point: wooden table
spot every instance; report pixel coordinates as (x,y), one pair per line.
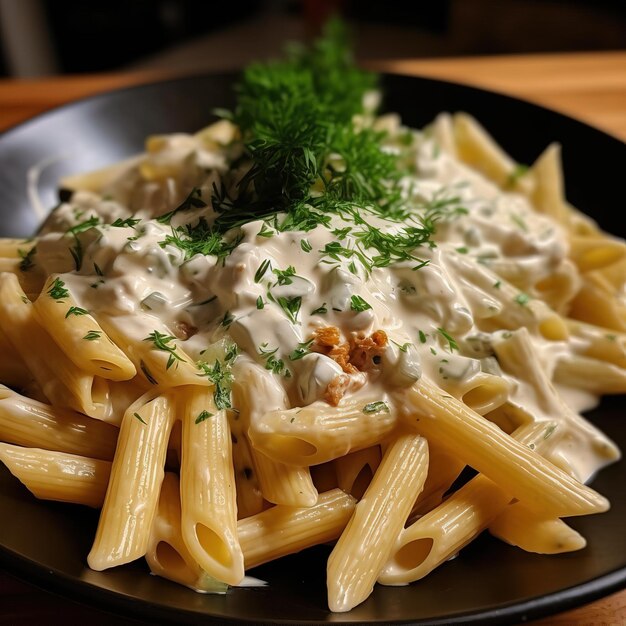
(590,87)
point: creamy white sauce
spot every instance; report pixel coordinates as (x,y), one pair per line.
(436,320)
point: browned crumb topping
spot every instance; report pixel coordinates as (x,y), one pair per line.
(336,389)
(354,355)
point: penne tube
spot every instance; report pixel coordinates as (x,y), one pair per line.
(318,432)
(595,303)
(442,532)
(255,393)
(136,475)
(78,334)
(249,497)
(511,308)
(548,195)
(477,149)
(368,540)
(598,377)
(596,253)
(167,555)
(443,470)
(62,382)
(158,357)
(284,484)
(28,422)
(58,475)
(283,530)
(207,485)
(519,526)
(482,445)
(356,470)
(598,343)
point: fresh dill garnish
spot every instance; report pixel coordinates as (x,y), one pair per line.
(291,307)
(422,336)
(203,415)
(27,261)
(522,298)
(201,239)
(376,407)
(497,284)
(452,344)
(271,362)
(92,335)
(258,276)
(192,201)
(97,270)
(302,350)
(265,231)
(518,220)
(358,304)
(92,222)
(162,342)
(321,310)
(77,253)
(57,290)
(284,276)
(137,416)
(219,373)
(259,303)
(129,222)
(76,310)
(305,245)
(404,347)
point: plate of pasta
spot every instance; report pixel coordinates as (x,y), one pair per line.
(309,345)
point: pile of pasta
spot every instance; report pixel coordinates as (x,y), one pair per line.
(205,494)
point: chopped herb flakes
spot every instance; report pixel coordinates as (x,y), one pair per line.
(452,344)
(203,415)
(129,222)
(219,373)
(376,407)
(358,304)
(321,310)
(75,310)
(192,201)
(92,335)
(271,362)
(57,290)
(137,416)
(522,298)
(162,342)
(262,270)
(27,261)
(302,350)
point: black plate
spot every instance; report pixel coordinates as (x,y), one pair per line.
(46,543)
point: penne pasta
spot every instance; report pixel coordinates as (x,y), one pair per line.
(133,491)
(57,475)
(367,542)
(207,483)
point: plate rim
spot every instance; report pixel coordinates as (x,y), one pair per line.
(112,602)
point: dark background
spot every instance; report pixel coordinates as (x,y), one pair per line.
(41,37)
